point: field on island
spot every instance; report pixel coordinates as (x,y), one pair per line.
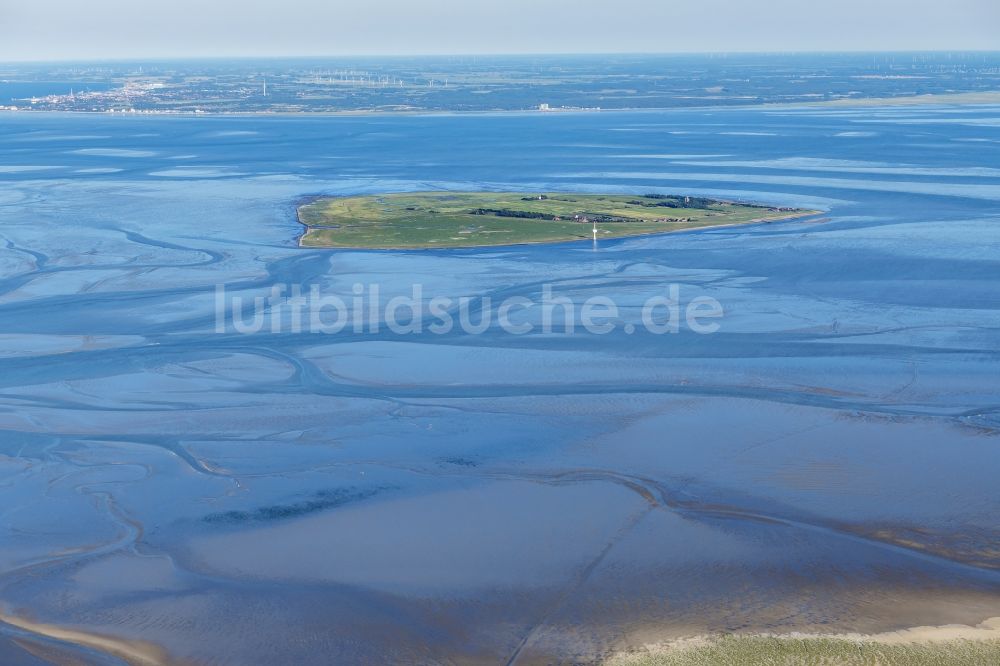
(473,219)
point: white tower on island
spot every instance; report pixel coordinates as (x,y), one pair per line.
(595,228)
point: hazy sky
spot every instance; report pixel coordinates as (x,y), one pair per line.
(70,29)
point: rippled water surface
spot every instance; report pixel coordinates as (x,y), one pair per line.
(828,459)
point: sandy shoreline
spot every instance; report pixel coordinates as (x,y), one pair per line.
(138,653)
(922,642)
(985,97)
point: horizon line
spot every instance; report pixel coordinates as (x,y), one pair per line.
(542,54)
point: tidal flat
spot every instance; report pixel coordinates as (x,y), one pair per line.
(177,492)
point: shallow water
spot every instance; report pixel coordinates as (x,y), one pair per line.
(826,459)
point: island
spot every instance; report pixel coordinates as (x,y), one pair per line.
(418,220)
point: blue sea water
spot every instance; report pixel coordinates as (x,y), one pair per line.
(827,459)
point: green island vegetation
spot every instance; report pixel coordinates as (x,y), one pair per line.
(475,219)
